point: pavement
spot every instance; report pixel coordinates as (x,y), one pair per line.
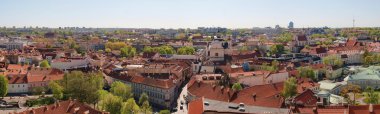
(181,98)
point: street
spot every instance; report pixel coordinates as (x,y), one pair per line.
(181,98)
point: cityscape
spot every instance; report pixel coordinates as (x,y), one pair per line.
(189,57)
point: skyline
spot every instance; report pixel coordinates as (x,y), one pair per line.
(188,14)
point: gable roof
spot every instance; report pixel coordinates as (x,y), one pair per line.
(64,107)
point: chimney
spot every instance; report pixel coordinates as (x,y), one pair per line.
(86,112)
(370,108)
(46,108)
(76,110)
(315,110)
(199,83)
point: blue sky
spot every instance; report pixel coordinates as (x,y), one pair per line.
(189,13)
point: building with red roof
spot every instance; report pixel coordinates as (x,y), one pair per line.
(64,107)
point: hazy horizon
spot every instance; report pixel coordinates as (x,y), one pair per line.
(188,14)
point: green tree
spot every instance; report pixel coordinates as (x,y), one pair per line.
(122,90)
(147,49)
(115,45)
(128,51)
(277,49)
(307,72)
(111,103)
(164,112)
(130,107)
(56,89)
(143,97)
(350,88)
(44,64)
(237,87)
(3,86)
(180,36)
(333,60)
(83,87)
(185,50)
(368,60)
(290,88)
(275,65)
(371,97)
(164,49)
(108,50)
(38,90)
(284,37)
(146,108)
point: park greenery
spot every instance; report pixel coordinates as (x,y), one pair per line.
(306,72)
(3,86)
(186,50)
(290,88)
(164,49)
(333,60)
(44,64)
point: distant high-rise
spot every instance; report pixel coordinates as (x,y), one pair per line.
(291,25)
(277,27)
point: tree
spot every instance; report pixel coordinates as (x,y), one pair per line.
(83,87)
(164,112)
(350,88)
(44,64)
(130,107)
(128,51)
(277,49)
(275,64)
(108,50)
(111,103)
(307,72)
(38,90)
(143,97)
(371,97)
(164,49)
(146,108)
(333,60)
(237,87)
(3,86)
(56,89)
(284,37)
(122,90)
(290,88)
(180,36)
(368,60)
(186,50)
(115,45)
(147,49)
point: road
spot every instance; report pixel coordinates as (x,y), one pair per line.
(181,98)
(21,101)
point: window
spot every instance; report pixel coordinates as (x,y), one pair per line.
(217,54)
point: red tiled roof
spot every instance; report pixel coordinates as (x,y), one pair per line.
(201,89)
(301,38)
(196,106)
(266,95)
(64,107)
(364,109)
(17,67)
(17,79)
(305,83)
(320,110)
(306,98)
(44,74)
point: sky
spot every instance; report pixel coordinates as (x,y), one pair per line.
(189,13)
